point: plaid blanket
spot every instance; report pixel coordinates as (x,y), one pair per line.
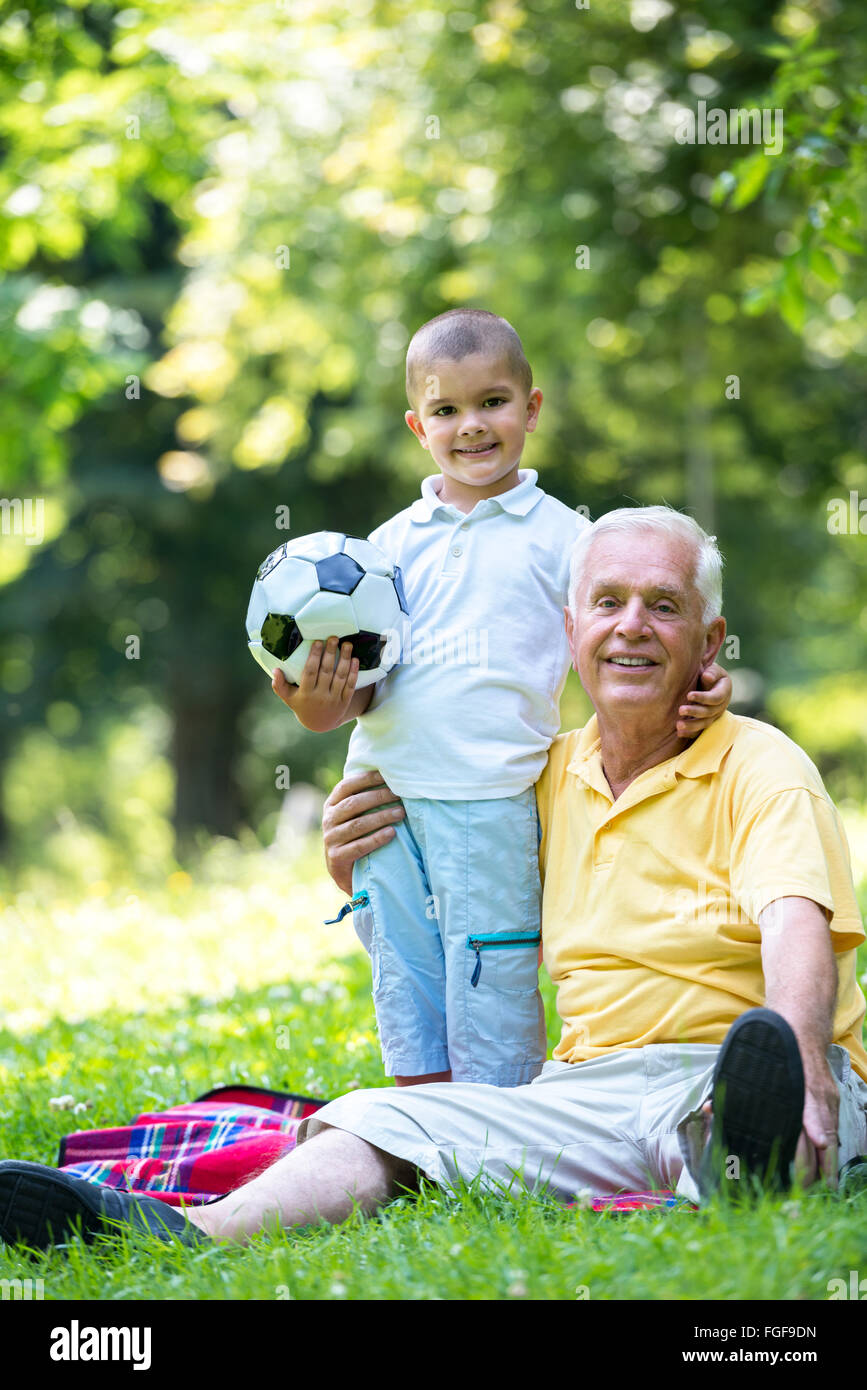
(205,1148)
(191,1152)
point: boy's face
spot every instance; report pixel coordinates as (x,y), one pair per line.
(473,417)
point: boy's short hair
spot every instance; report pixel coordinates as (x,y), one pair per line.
(457,333)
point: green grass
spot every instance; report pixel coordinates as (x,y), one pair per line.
(314,1032)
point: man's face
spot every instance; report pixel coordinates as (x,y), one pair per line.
(638,640)
(473,417)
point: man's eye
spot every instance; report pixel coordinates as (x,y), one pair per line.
(665,608)
(607,603)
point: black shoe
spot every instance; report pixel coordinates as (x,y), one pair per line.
(40,1206)
(758,1108)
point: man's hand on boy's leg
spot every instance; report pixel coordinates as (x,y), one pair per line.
(358,817)
(325,697)
(702,707)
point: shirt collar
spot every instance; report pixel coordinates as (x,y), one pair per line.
(518,500)
(704,755)
(706,752)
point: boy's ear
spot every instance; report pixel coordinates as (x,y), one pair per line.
(417,428)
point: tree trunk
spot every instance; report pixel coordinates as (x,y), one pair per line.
(204,744)
(698,458)
(4,827)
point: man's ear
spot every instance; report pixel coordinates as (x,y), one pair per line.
(714,638)
(570,635)
(417,428)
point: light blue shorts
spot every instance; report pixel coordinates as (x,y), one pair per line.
(452,924)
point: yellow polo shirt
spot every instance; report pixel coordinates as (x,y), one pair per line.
(651,901)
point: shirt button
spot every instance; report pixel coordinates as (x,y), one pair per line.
(466,526)
(457,550)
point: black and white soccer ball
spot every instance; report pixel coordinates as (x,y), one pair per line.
(327,585)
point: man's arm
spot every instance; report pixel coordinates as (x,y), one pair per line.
(800,972)
(358,817)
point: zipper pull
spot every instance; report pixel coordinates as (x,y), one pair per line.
(477,969)
(360,900)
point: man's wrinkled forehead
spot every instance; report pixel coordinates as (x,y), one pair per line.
(616,584)
(640,561)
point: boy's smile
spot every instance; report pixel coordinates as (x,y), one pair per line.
(473,417)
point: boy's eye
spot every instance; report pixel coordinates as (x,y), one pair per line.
(491,400)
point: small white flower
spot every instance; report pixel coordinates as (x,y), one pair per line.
(61,1102)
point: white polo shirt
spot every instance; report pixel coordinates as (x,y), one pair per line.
(471,710)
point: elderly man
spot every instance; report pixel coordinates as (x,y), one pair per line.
(699,921)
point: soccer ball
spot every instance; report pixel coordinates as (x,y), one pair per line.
(327,585)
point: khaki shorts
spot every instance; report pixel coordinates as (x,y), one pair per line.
(626,1121)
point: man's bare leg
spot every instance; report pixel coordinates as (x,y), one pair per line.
(324,1179)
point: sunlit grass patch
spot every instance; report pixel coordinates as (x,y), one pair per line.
(479,1247)
(463,1244)
(246,917)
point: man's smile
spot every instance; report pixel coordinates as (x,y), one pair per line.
(631,662)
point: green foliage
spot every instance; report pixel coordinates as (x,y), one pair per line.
(120,788)
(224,223)
(830,718)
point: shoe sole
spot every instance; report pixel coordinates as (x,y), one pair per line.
(39,1208)
(758,1104)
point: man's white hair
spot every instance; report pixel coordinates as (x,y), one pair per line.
(707,573)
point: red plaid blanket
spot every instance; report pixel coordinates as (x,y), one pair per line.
(208,1147)
(191,1152)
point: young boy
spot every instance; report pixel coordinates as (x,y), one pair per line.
(449,908)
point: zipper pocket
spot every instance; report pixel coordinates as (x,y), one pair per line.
(498,939)
(360,900)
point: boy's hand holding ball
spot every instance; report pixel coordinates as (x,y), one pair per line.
(326,696)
